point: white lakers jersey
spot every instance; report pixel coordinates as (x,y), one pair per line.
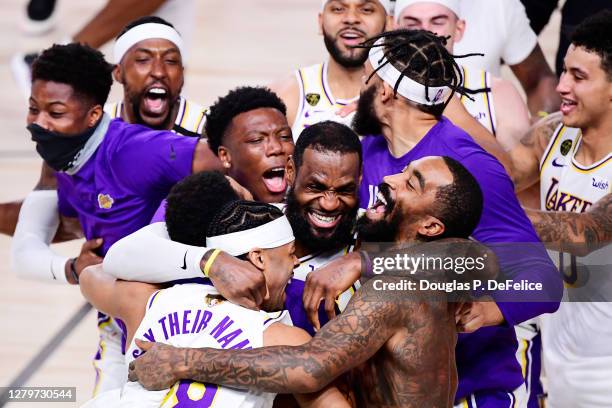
(194,315)
(317,103)
(482,107)
(310,263)
(577,339)
(189,121)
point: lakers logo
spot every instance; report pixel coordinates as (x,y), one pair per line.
(313,99)
(105,201)
(565,147)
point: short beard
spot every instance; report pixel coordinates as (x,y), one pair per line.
(365,121)
(378,231)
(347,61)
(302,229)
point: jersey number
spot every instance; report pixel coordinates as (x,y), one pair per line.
(193,394)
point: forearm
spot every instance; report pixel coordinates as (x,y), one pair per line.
(31,256)
(9,212)
(112,18)
(148,255)
(577,234)
(542,96)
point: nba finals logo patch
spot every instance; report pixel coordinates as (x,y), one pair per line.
(105,201)
(313,99)
(565,147)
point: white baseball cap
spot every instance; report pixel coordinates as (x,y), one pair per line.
(387,4)
(453,5)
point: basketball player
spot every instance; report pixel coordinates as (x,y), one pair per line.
(315,93)
(257,232)
(570,153)
(321,207)
(408,126)
(397,347)
(82,144)
(500,108)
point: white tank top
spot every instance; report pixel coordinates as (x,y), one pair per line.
(194,315)
(577,339)
(317,103)
(189,119)
(482,107)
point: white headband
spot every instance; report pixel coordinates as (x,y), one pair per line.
(452,5)
(270,235)
(146,32)
(408,88)
(387,4)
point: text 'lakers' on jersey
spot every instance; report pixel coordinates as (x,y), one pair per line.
(576,339)
(317,104)
(194,315)
(190,117)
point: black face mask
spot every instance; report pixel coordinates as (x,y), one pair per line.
(58,149)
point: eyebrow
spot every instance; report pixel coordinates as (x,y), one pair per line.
(419,177)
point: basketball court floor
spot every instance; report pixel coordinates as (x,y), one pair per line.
(247,42)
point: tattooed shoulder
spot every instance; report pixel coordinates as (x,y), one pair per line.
(540,133)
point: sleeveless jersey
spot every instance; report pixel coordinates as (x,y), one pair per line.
(317,103)
(194,315)
(295,288)
(189,119)
(576,339)
(482,107)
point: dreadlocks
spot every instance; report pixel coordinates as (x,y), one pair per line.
(421,56)
(242,215)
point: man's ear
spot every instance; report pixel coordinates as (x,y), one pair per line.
(94,115)
(117,74)
(225,157)
(320,24)
(387,93)
(431,226)
(255,256)
(290,171)
(459,30)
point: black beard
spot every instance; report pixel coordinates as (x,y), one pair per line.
(302,230)
(378,231)
(347,61)
(365,121)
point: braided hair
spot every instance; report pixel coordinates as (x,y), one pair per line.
(242,215)
(422,56)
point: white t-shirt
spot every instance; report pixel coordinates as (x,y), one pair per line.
(499,29)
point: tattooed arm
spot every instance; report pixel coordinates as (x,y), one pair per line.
(527,154)
(345,342)
(577,234)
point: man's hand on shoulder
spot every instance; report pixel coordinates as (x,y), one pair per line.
(159,367)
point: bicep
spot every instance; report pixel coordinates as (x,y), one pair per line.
(512,113)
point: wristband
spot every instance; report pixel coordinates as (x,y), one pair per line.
(73,272)
(210,261)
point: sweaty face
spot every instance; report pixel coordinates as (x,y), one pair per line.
(54,106)
(278,263)
(347,23)
(256,145)
(322,204)
(586,92)
(432,17)
(404,201)
(152,76)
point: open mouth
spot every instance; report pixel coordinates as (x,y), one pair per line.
(567,106)
(274,179)
(321,220)
(155,100)
(352,37)
(383,205)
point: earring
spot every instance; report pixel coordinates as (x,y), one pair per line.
(226,165)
